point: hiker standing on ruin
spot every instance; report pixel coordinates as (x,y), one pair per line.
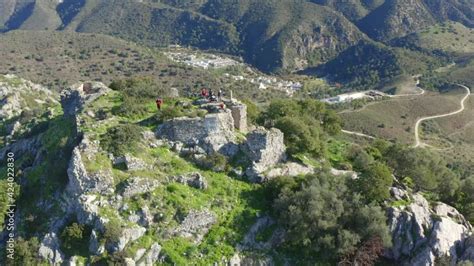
(219,94)
(159,102)
(204,92)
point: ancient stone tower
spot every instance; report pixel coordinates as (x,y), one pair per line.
(239,113)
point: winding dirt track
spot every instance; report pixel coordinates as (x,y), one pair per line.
(418,142)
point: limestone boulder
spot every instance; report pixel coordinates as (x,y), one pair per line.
(196,225)
(50,249)
(138,185)
(195,180)
(289,169)
(131,163)
(75,97)
(80,181)
(151,256)
(128,235)
(421,233)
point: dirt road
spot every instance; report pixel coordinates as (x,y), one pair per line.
(418,142)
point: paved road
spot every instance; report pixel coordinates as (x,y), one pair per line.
(418,142)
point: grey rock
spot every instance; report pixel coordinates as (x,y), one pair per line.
(145,217)
(80,181)
(129,262)
(289,169)
(50,249)
(250,243)
(72,261)
(398,193)
(139,254)
(94,245)
(265,148)
(128,235)
(195,180)
(75,97)
(14,128)
(151,257)
(196,225)
(421,234)
(139,185)
(337,172)
(214,132)
(131,163)
(468,252)
(250,260)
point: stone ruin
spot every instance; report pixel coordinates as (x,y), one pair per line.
(265,148)
(74,98)
(239,114)
(214,132)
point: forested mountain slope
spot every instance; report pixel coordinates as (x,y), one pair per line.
(272,35)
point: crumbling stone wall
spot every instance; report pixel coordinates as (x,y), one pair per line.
(265,148)
(74,98)
(212,132)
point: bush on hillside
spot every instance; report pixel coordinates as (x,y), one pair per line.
(121,139)
(323,218)
(75,239)
(303,122)
(374,182)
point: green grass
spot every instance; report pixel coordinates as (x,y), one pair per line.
(336,152)
(234,202)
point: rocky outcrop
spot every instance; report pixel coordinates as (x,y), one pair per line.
(50,249)
(196,225)
(250,241)
(14,92)
(131,163)
(150,257)
(289,169)
(264,148)
(128,235)
(254,260)
(138,185)
(214,132)
(421,233)
(95,247)
(80,181)
(195,180)
(74,98)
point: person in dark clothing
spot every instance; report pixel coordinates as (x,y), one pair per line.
(159,102)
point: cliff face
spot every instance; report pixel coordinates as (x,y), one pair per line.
(422,233)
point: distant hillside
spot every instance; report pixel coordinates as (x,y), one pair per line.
(398,18)
(352,9)
(277,36)
(453,38)
(369,64)
(286,34)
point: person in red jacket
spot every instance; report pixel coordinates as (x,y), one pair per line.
(159,102)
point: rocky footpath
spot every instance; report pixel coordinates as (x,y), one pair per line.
(422,232)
